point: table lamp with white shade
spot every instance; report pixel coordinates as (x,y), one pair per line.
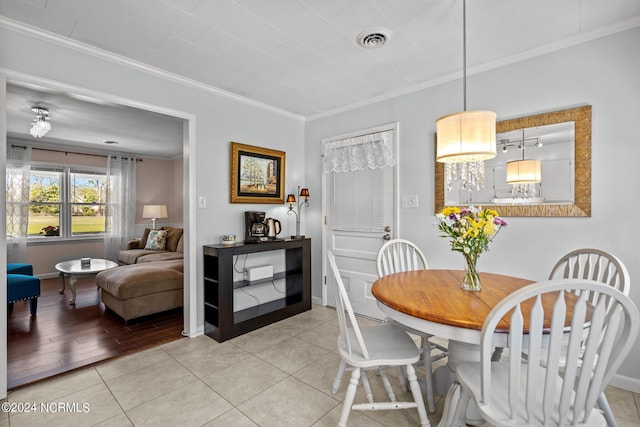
(154,212)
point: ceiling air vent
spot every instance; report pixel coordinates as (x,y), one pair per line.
(373,38)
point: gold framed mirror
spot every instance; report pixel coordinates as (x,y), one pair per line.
(579,205)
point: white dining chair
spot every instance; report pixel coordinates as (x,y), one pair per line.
(593,264)
(602,266)
(378,346)
(399,255)
(516,392)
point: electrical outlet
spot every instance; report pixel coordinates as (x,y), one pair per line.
(409,201)
(202,202)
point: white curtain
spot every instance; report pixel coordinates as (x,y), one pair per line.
(121,204)
(18,175)
(373,151)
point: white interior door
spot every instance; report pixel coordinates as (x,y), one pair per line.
(360,209)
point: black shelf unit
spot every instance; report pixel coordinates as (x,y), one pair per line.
(221,322)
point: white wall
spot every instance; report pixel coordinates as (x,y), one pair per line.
(602,73)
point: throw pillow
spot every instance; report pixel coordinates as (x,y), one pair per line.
(143,239)
(156,240)
(173,236)
(180,247)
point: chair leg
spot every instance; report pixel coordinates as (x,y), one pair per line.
(349,396)
(428,373)
(497,354)
(603,403)
(460,410)
(402,379)
(336,382)
(33,305)
(367,387)
(417,396)
(387,385)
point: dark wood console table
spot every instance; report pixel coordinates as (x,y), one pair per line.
(221,322)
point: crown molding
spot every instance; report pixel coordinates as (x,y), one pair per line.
(17,26)
(532,53)
(21,27)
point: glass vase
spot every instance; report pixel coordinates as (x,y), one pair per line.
(471,279)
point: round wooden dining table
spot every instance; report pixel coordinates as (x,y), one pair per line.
(433,302)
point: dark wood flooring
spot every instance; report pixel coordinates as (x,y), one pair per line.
(63,337)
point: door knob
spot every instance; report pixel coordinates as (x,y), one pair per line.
(387,229)
(386,237)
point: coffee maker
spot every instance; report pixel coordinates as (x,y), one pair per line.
(255,227)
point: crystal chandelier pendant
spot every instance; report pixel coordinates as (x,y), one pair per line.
(40,125)
(470,175)
(524,191)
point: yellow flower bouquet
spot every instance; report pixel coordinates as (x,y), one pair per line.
(471,230)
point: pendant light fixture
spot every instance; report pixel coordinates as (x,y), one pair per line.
(40,124)
(466,139)
(524,175)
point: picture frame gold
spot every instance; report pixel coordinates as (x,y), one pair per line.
(256,174)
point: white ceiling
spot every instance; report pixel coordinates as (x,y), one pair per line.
(301,56)
(79,122)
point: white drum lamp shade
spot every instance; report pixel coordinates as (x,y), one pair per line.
(154,212)
(468,136)
(524,172)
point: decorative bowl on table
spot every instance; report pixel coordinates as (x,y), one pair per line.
(228,239)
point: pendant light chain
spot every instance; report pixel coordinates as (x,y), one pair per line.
(465,139)
(464,55)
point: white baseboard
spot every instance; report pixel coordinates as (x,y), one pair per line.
(316,300)
(199,331)
(626,383)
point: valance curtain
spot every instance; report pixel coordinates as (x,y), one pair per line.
(17,220)
(372,151)
(120,211)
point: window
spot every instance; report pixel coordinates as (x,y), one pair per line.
(68,202)
(44,202)
(87,202)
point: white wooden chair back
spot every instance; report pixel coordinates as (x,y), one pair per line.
(399,255)
(593,264)
(585,373)
(350,339)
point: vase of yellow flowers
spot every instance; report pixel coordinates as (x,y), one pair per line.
(471,230)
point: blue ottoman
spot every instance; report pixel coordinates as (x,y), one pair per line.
(22,287)
(20,268)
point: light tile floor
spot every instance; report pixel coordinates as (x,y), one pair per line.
(280,376)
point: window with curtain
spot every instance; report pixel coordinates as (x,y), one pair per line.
(358,168)
(66,202)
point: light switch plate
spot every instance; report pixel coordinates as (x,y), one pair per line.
(409,201)
(202,202)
